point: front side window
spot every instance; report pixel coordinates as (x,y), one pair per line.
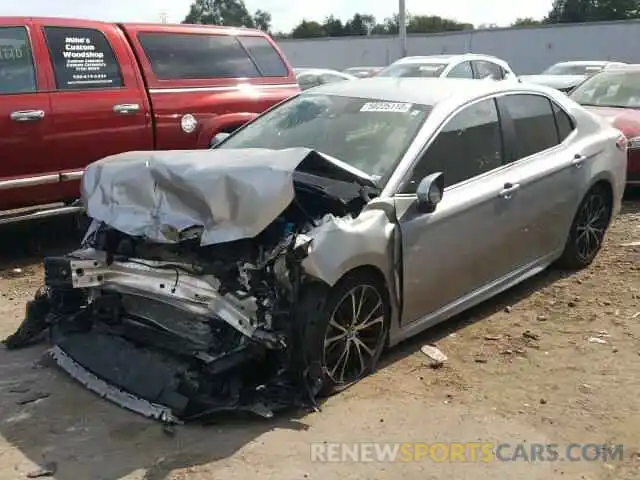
(462,70)
(196,56)
(470,144)
(17,73)
(421,70)
(82,59)
(266,57)
(534,123)
(485,69)
(610,89)
(368,134)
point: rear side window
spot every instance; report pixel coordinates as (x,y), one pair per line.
(17,74)
(462,70)
(196,56)
(563,121)
(266,57)
(82,59)
(486,69)
(534,123)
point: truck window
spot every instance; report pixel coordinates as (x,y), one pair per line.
(17,73)
(82,59)
(196,56)
(266,57)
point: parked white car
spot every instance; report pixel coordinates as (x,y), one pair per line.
(565,76)
(469,65)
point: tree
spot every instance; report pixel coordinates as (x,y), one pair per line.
(360,24)
(308,29)
(333,26)
(262,20)
(225,12)
(434,24)
(526,22)
(572,11)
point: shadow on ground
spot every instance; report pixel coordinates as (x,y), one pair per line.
(25,243)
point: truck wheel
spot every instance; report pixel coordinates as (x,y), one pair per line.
(345,332)
(587,230)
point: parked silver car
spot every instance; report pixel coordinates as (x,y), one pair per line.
(276,267)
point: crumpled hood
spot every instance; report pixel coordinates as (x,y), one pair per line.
(225,194)
(554,81)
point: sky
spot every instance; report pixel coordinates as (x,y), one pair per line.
(286,13)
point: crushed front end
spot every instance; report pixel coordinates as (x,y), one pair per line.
(178,330)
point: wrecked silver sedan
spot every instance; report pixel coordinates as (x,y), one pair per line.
(274,268)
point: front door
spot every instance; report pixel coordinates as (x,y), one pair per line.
(25,120)
(464,244)
(98,101)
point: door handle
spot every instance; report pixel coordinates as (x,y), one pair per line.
(126,108)
(508,189)
(27,115)
(578,160)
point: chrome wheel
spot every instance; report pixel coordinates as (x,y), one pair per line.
(355,335)
(591,226)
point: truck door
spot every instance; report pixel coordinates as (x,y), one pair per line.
(98,99)
(25,118)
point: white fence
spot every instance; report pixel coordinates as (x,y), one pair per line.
(528,50)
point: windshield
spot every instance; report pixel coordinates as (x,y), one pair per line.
(610,89)
(367,134)
(413,70)
(572,69)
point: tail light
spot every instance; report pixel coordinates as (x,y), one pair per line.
(622,143)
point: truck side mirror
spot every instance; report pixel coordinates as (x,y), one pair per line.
(218,139)
(429,192)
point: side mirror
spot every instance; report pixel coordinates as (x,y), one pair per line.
(218,138)
(429,192)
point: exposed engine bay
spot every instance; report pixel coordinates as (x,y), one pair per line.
(178,329)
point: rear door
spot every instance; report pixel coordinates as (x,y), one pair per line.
(25,118)
(545,164)
(220,77)
(99,107)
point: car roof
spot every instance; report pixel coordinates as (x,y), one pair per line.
(426,91)
(585,62)
(442,58)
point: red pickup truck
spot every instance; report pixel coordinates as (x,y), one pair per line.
(75,91)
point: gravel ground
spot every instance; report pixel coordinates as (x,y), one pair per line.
(521,368)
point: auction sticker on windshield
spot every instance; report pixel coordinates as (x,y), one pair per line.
(392,107)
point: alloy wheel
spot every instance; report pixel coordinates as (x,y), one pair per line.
(355,335)
(591,226)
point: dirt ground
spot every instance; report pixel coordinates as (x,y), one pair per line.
(521,368)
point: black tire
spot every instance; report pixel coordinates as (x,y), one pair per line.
(588,229)
(322,316)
